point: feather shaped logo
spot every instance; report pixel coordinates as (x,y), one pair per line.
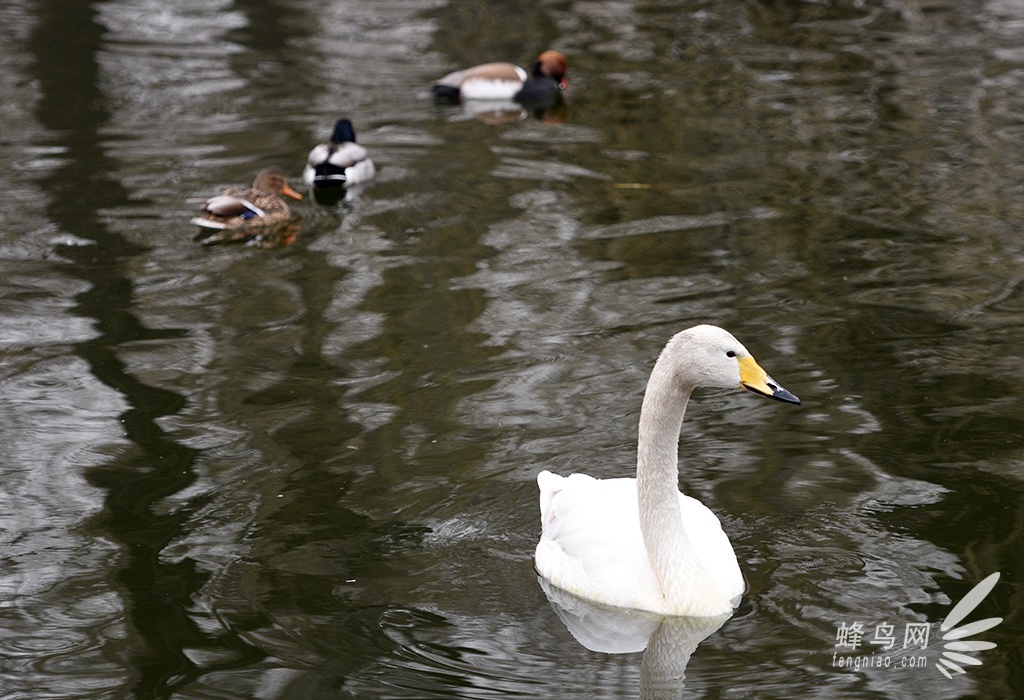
(953,659)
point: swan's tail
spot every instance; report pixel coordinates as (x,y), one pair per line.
(549,484)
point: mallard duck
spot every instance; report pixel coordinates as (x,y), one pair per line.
(239,214)
(340,162)
(640,543)
(505,81)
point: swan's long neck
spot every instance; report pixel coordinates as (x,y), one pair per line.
(657,476)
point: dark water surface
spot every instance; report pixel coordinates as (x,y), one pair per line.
(308,471)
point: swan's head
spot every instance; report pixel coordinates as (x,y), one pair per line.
(711,357)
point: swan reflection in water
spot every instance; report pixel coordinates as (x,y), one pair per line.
(667,641)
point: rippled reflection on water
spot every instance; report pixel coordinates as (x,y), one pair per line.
(308,471)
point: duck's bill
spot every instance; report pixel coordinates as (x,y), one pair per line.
(755,379)
(289,192)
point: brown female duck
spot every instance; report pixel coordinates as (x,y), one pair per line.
(239,214)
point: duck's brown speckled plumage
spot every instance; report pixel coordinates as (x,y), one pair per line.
(239,213)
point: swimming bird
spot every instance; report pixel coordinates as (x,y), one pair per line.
(340,162)
(240,213)
(506,81)
(638,542)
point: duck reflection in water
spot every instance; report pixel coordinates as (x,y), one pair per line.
(550,110)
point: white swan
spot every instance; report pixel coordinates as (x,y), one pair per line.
(639,543)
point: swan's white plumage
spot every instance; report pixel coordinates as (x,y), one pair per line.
(593,544)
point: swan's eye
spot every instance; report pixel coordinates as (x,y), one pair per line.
(730,354)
